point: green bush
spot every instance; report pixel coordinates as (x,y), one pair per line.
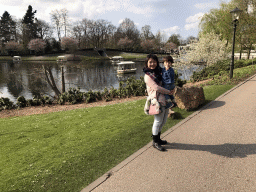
(34,102)
(21,102)
(106,95)
(73,96)
(5,103)
(46,100)
(90,96)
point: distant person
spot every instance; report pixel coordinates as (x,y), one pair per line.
(168,80)
(153,82)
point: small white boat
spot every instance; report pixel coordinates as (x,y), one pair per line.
(16,58)
(126,67)
(61,58)
(117,59)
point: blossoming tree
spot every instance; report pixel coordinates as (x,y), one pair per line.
(125,43)
(70,44)
(210,49)
(37,45)
(148,45)
(13,47)
(170,47)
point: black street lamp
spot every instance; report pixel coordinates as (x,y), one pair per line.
(235,16)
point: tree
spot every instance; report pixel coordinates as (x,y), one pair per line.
(146,33)
(92,33)
(81,33)
(7,28)
(219,21)
(78,33)
(13,47)
(128,29)
(175,38)
(60,20)
(246,36)
(98,32)
(148,45)
(169,47)
(159,40)
(29,26)
(210,48)
(37,45)
(125,43)
(44,30)
(55,45)
(69,44)
(64,14)
(57,20)
(191,39)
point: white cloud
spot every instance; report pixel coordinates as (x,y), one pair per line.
(193,21)
(11,3)
(195,18)
(171,30)
(208,5)
(191,26)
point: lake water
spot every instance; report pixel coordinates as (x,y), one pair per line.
(28,79)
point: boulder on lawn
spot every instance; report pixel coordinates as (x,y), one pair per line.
(189,98)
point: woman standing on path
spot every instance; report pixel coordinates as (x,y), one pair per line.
(153,82)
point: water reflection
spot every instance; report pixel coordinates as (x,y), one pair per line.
(28,79)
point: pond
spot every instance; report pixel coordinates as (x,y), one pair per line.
(28,79)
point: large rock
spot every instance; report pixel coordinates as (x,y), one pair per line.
(189,98)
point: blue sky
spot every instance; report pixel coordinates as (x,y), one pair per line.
(170,16)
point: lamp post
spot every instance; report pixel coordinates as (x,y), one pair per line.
(235,16)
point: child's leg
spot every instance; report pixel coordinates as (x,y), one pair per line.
(172,96)
(172,87)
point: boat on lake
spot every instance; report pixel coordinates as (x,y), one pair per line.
(117,59)
(61,58)
(126,67)
(16,59)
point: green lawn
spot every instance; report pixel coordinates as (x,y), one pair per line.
(66,151)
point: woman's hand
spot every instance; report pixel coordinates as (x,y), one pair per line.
(171,92)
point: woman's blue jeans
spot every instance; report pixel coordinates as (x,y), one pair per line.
(160,120)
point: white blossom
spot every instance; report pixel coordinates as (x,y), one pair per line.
(210,49)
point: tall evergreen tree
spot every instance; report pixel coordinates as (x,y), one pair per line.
(29,26)
(7,28)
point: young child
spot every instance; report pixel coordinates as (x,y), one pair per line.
(168,80)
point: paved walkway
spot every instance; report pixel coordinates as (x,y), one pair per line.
(214,149)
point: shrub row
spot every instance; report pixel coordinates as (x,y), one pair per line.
(131,87)
(128,88)
(221,67)
(6,103)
